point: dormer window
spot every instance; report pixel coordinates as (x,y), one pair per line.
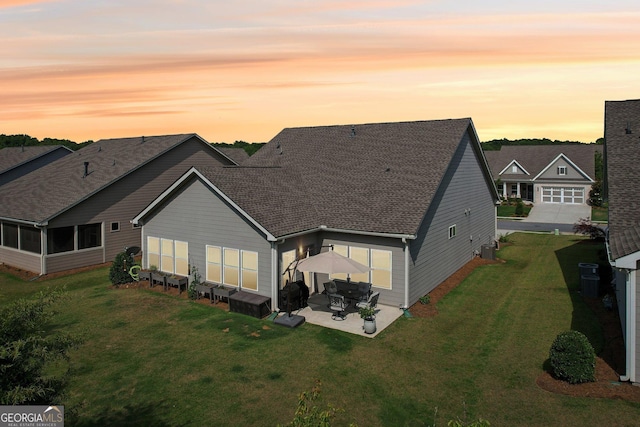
(562,170)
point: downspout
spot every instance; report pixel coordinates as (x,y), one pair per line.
(274,276)
(43,249)
(630,374)
(406,274)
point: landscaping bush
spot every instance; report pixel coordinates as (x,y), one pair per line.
(119,272)
(519,208)
(572,358)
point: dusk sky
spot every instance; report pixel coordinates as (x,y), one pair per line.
(244,70)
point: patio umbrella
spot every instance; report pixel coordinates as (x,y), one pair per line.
(331,262)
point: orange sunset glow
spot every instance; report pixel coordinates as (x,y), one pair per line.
(244,70)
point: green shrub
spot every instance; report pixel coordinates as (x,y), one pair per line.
(519,208)
(572,358)
(425,299)
(119,271)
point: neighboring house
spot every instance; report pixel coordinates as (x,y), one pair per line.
(18,161)
(622,178)
(77,210)
(544,173)
(414,201)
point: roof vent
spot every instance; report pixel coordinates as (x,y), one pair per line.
(353,131)
(142,139)
(86,169)
(99,148)
(627,130)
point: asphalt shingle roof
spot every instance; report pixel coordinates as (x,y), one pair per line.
(11,157)
(534,158)
(622,157)
(380,178)
(50,190)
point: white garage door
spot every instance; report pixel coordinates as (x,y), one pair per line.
(563,195)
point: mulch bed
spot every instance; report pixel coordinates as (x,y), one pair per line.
(609,363)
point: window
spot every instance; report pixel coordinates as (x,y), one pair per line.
(166,255)
(89,236)
(214,264)
(153,252)
(250,270)
(381,265)
(60,239)
(562,170)
(231,267)
(514,169)
(182,258)
(30,239)
(115,226)
(452,231)
(10,235)
(360,255)
(344,251)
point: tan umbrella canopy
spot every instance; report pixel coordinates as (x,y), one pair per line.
(331,262)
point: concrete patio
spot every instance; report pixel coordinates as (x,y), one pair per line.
(318,313)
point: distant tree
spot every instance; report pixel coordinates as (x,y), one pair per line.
(27,141)
(595,194)
(496,144)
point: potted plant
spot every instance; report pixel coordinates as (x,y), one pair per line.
(368,314)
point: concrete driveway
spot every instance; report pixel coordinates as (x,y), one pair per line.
(558,213)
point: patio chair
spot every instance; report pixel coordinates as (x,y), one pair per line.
(338,305)
(331,287)
(364,289)
(371,302)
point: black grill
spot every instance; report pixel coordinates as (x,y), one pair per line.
(297,292)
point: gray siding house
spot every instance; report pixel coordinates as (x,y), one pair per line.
(544,173)
(414,201)
(622,177)
(76,211)
(19,161)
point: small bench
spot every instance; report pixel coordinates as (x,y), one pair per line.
(251,304)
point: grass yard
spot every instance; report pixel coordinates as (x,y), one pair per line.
(599,214)
(153,359)
(510,210)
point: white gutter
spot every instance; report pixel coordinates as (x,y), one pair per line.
(344,231)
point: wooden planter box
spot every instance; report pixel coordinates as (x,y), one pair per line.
(205,288)
(220,292)
(178,282)
(157,278)
(144,275)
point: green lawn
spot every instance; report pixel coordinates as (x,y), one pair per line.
(510,210)
(152,359)
(599,214)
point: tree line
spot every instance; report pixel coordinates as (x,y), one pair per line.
(496,144)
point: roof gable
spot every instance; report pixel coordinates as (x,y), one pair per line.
(562,158)
(57,187)
(510,166)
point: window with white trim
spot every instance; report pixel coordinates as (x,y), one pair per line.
(249,270)
(344,251)
(231,267)
(181,251)
(562,170)
(115,226)
(360,255)
(153,252)
(214,264)
(166,255)
(381,268)
(452,231)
